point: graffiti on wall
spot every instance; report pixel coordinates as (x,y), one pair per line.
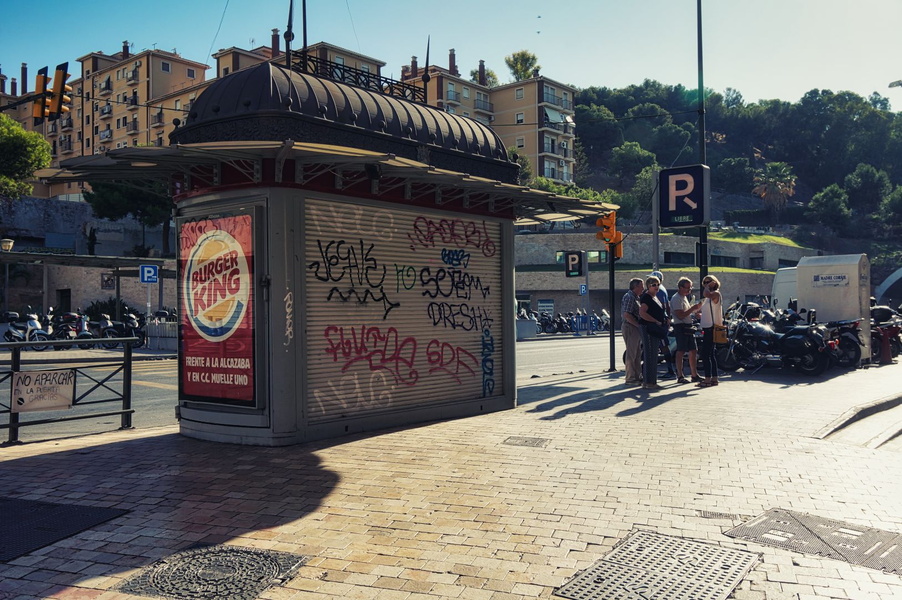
(401,309)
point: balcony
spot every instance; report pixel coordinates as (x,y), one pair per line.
(158,142)
(556,149)
(52,129)
(66,123)
(132,75)
(565,103)
(132,127)
(132,103)
(106,111)
(106,134)
(157,119)
(452,96)
(105,88)
(302,62)
(559,174)
(66,146)
(484,106)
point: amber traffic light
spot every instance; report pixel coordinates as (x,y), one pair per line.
(60,98)
(616,246)
(608,226)
(40,107)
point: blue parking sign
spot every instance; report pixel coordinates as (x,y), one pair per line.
(149,273)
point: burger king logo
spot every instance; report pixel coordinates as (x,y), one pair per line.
(216,285)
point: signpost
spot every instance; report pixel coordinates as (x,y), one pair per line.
(149,274)
(683,197)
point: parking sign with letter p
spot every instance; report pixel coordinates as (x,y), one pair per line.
(683,196)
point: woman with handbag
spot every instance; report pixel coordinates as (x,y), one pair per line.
(712,314)
(653,321)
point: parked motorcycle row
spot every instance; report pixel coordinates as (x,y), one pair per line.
(569,323)
(762,337)
(72,326)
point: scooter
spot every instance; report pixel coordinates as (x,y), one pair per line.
(128,327)
(29,330)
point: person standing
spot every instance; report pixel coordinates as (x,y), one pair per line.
(665,342)
(629,313)
(683,329)
(712,314)
(651,311)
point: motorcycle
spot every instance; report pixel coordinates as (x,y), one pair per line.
(130,326)
(847,335)
(546,323)
(885,323)
(29,330)
(782,342)
(600,322)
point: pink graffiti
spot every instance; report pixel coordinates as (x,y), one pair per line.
(381,350)
(427,233)
(453,360)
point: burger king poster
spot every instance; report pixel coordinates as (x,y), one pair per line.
(216,300)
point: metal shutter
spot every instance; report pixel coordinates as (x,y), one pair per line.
(403,309)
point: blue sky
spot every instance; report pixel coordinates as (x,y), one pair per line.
(765,49)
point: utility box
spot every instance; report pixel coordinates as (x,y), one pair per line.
(839,288)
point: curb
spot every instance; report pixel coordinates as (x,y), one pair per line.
(856,413)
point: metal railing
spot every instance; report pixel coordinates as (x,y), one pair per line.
(96,385)
(313,65)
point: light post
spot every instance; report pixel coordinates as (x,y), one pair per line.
(6,245)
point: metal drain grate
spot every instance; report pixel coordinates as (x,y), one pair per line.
(533,442)
(213,573)
(801,532)
(27,525)
(651,565)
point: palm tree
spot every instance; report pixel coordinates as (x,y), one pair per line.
(774,185)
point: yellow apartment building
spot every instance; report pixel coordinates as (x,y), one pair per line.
(533,116)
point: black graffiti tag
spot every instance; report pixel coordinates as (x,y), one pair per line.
(352,265)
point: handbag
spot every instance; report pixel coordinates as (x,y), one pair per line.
(655,330)
(720,331)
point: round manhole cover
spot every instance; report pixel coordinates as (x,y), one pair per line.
(215,572)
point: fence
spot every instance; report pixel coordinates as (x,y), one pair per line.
(162,335)
(34,389)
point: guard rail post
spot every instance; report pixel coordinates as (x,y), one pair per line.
(126,419)
(15,364)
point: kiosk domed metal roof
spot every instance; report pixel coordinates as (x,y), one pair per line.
(271,102)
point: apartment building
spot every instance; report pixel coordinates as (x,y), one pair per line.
(533,116)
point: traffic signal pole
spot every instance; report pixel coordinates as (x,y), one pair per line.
(702,154)
(613,366)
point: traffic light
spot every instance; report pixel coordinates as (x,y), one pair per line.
(608,225)
(40,108)
(617,245)
(59,99)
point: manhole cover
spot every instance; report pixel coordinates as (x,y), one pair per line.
(651,565)
(27,525)
(809,534)
(526,441)
(213,573)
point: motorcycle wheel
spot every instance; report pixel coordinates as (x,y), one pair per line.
(109,334)
(726,359)
(876,348)
(549,328)
(895,347)
(39,337)
(813,363)
(849,354)
(141,339)
(85,345)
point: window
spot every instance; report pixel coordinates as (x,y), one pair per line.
(783,263)
(679,258)
(165,67)
(449,110)
(365,68)
(178,105)
(191,73)
(756,262)
(519,118)
(225,71)
(518,93)
(118,74)
(724,261)
(466,93)
(466,114)
(521,142)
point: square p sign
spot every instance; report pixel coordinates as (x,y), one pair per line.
(683,196)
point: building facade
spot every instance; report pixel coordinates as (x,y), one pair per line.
(534,117)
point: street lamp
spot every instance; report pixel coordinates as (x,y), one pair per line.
(6,245)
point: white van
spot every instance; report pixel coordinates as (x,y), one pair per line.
(785,287)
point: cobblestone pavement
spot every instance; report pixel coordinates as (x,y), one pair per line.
(449,510)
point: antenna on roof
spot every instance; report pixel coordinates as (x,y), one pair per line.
(426,77)
(289,34)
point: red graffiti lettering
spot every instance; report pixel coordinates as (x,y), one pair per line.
(379,349)
(453,360)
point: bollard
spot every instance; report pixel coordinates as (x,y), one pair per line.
(886,351)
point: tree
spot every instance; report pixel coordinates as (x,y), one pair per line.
(734,176)
(891,209)
(866,187)
(774,184)
(830,207)
(151,207)
(598,130)
(628,159)
(21,154)
(524,177)
(522,64)
(491,78)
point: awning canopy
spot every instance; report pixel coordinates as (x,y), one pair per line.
(148,165)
